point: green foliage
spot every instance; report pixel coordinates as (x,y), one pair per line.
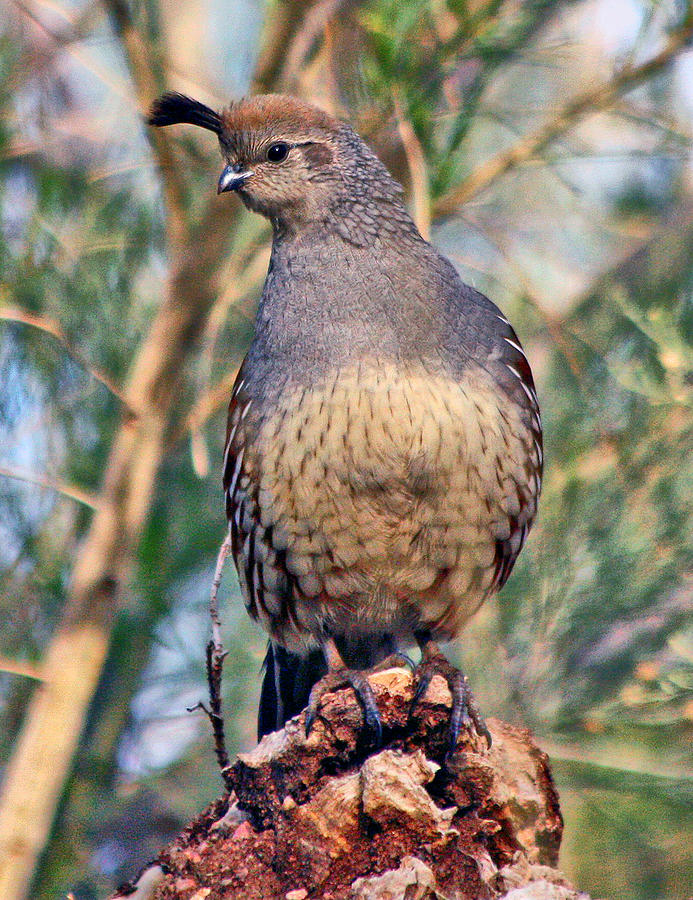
(615,537)
(438,59)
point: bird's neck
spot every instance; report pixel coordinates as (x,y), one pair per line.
(330,301)
(360,221)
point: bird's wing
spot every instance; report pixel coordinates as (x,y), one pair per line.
(513,375)
(267,586)
(484,337)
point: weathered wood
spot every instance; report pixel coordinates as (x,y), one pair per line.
(325,817)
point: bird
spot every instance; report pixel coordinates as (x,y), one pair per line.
(384,452)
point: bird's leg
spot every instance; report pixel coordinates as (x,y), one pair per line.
(464,707)
(338,676)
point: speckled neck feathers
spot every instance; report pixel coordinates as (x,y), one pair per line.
(367,203)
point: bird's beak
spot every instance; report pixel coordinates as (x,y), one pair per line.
(231,179)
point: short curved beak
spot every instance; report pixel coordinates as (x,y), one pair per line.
(231,179)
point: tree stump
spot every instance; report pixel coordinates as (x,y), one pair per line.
(327,818)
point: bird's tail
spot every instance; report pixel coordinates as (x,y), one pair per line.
(286,686)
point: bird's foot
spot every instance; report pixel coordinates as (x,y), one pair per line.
(465,710)
(341,677)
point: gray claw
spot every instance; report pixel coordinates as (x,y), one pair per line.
(364,694)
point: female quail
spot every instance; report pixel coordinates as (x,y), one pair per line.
(384,447)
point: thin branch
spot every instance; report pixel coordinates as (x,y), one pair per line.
(61,487)
(416,163)
(224,551)
(213,712)
(26,670)
(50,326)
(314,23)
(215,665)
(584,104)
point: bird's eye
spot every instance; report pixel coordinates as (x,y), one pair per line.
(278,152)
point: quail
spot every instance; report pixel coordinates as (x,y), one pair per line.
(383,455)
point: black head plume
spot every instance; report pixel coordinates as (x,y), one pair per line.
(172,109)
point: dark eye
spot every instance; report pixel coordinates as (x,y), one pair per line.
(278,152)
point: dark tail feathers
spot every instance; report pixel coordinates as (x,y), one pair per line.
(286,686)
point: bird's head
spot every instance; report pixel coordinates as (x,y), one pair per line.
(287,159)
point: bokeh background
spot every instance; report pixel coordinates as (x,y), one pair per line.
(546,148)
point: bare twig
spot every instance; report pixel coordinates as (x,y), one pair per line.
(586,103)
(215,664)
(224,551)
(60,487)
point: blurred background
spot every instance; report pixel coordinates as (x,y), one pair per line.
(546,148)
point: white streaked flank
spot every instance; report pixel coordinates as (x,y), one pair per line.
(236,472)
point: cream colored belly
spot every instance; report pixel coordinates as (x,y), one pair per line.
(388,493)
